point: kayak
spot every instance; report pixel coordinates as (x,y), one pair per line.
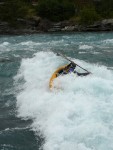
(55,75)
(59,71)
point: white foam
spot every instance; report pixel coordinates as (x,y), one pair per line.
(96,53)
(108,41)
(82,52)
(4,47)
(78,116)
(5,43)
(85,47)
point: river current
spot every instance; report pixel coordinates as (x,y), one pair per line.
(76,116)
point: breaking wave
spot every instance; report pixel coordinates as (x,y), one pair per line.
(78,115)
(85,47)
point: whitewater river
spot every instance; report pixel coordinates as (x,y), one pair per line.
(76,116)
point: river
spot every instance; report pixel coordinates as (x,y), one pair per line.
(76,116)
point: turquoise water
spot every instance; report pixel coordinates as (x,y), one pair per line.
(79,116)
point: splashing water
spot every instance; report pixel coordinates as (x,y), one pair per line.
(78,116)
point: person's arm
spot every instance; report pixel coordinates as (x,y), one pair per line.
(81,74)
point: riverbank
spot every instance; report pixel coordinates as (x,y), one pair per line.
(38,25)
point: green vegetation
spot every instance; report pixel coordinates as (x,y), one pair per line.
(105,8)
(57,10)
(11,10)
(88,16)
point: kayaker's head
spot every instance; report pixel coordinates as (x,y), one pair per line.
(72,65)
(70,68)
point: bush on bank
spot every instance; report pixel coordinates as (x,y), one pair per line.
(11,10)
(88,16)
(105,8)
(55,10)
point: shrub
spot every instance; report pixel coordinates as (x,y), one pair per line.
(13,9)
(88,16)
(105,8)
(55,10)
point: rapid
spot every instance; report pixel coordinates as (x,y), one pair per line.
(76,115)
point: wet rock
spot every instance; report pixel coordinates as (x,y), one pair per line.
(107,24)
(39,25)
(69,28)
(4,25)
(44,25)
(104,25)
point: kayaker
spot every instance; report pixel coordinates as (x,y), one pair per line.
(71,68)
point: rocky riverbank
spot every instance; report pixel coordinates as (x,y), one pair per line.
(38,25)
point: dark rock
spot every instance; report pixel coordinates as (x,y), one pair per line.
(63,26)
(55,27)
(36,20)
(70,28)
(44,25)
(26,22)
(107,24)
(38,25)
(104,25)
(3,25)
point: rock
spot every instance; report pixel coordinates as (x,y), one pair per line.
(37,25)
(4,25)
(70,28)
(95,27)
(63,26)
(26,22)
(44,25)
(55,27)
(107,24)
(36,20)
(104,25)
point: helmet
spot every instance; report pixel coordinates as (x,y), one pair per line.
(72,66)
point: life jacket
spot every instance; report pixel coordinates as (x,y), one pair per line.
(71,70)
(68,69)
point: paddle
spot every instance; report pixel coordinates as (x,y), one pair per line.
(71,61)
